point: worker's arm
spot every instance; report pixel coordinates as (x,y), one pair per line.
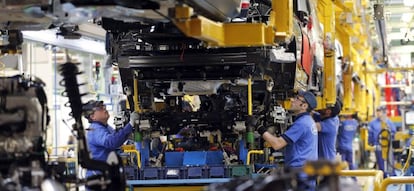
(293,134)
(276,142)
(328,125)
(103,137)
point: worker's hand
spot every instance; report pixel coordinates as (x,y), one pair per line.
(261,130)
(134,118)
(316,116)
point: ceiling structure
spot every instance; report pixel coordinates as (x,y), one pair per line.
(399,21)
(398,15)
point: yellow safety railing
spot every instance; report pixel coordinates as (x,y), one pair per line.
(253,152)
(131,149)
(377,174)
(364,137)
(396,180)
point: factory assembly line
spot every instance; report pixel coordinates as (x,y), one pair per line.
(196,71)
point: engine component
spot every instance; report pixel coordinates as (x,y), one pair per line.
(23,121)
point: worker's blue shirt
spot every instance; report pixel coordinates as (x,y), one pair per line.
(102,139)
(346,133)
(375,127)
(327,138)
(301,140)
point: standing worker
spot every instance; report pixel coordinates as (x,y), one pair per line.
(101,137)
(300,140)
(381,132)
(346,134)
(328,130)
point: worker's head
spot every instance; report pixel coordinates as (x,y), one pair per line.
(331,111)
(304,101)
(95,111)
(381,112)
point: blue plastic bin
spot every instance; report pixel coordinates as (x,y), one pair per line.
(195,158)
(174,159)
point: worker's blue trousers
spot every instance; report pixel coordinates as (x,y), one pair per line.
(347,156)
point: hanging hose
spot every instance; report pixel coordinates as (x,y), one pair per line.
(384,139)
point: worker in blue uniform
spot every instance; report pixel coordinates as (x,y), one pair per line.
(377,126)
(328,130)
(346,133)
(101,137)
(301,138)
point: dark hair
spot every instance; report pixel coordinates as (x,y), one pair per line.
(89,108)
(336,109)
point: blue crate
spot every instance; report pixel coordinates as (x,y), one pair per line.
(195,158)
(174,173)
(174,159)
(152,173)
(216,172)
(131,172)
(197,172)
(214,158)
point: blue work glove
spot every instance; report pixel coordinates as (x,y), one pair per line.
(134,119)
(316,116)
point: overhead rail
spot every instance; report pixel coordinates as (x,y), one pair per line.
(391,69)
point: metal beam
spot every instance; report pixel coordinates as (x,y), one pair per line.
(223,34)
(395,69)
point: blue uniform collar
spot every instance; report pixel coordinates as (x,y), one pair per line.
(99,123)
(300,115)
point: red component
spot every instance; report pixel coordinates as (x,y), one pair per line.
(113,79)
(245,5)
(388,93)
(306,55)
(214,148)
(310,24)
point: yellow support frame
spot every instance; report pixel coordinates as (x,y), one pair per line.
(326,10)
(218,34)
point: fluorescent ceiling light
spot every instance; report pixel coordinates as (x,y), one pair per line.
(408,3)
(406,17)
(50,37)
